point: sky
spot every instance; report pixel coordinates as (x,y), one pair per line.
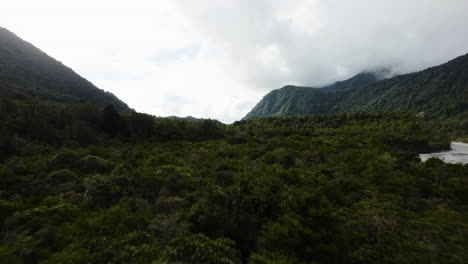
(216,59)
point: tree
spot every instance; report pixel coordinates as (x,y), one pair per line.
(112,123)
(142,125)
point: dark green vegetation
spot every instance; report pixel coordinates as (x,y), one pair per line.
(440,92)
(79,184)
(85,181)
(24,69)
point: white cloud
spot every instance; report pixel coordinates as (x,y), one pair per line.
(216,59)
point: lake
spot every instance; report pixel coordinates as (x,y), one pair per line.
(458,154)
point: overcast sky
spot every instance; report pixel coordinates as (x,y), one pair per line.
(216,59)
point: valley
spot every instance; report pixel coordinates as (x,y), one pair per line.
(329,175)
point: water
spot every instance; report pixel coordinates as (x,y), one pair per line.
(458,154)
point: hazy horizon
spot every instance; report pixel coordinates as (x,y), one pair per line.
(217,60)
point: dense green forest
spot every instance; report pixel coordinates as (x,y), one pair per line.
(82,184)
(441,93)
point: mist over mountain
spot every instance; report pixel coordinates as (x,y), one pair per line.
(440,92)
(298,100)
(26,69)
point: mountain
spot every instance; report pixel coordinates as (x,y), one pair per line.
(440,92)
(359,80)
(295,100)
(81,183)
(26,69)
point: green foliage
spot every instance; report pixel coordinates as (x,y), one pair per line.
(63,160)
(83,183)
(93,164)
(142,125)
(134,247)
(112,123)
(438,94)
(28,71)
(63,175)
(346,188)
(198,248)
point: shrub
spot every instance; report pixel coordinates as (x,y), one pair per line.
(62,176)
(198,248)
(63,160)
(93,164)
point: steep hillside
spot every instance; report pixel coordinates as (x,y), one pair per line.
(359,80)
(24,68)
(294,100)
(440,92)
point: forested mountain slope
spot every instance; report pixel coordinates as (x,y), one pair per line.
(440,92)
(294,100)
(26,69)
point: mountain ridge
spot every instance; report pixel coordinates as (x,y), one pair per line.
(318,100)
(26,69)
(439,91)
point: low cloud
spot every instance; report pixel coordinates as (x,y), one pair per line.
(317,42)
(221,57)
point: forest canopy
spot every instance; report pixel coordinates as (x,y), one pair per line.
(81,184)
